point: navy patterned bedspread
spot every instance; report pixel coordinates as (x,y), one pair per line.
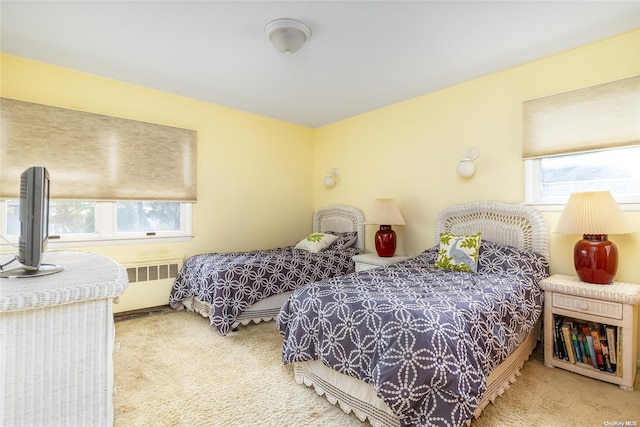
(426,339)
(231,282)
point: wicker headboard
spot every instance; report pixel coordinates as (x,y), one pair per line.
(340,218)
(519,226)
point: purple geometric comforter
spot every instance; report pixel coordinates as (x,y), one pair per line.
(231,282)
(426,339)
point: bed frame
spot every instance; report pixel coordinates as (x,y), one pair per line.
(514,225)
(337,218)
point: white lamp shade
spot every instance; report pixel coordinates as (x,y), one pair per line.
(593,212)
(384,212)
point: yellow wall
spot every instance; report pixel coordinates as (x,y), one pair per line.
(255,174)
(409,151)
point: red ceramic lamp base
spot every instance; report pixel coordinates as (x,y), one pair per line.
(595,259)
(385,241)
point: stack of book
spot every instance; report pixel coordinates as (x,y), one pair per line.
(593,344)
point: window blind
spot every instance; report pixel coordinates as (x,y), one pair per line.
(95,157)
(592,118)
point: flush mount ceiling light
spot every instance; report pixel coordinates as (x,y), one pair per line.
(287,35)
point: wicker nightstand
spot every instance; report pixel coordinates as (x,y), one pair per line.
(372,260)
(615,305)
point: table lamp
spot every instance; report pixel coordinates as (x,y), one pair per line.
(594,214)
(385,213)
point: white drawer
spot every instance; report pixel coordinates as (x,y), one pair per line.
(612,310)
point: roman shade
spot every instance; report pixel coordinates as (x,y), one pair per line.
(592,118)
(95,157)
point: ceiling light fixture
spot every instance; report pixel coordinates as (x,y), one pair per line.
(287,35)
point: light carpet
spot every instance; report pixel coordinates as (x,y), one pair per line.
(174,369)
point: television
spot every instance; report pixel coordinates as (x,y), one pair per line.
(34,225)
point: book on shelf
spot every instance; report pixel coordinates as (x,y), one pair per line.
(611,340)
(592,349)
(588,343)
(619,353)
(586,352)
(609,367)
(566,333)
(595,334)
(558,340)
(577,346)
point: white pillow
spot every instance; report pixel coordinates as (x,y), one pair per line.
(315,242)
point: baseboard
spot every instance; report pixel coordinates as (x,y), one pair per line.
(124,315)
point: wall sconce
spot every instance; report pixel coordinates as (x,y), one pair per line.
(329,179)
(465,168)
(287,35)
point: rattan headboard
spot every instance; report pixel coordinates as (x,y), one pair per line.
(515,225)
(340,218)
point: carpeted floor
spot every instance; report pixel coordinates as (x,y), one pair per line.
(173,369)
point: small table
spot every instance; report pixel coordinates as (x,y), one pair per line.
(372,260)
(614,305)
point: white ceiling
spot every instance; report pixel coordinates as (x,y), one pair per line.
(362,55)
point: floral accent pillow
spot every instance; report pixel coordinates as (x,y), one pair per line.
(458,252)
(315,242)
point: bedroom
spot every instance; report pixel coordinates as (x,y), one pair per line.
(423,135)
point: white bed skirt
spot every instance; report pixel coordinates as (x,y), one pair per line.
(356,396)
(262,311)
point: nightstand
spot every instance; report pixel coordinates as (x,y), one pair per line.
(614,305)
(372,260)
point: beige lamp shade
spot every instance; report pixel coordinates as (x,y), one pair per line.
(593,212)
(384,212)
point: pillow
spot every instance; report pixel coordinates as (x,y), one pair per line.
(496,258)
(345,240)
(315,242)
(458,252)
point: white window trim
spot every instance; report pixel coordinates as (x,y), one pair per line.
(532,192)
(105,234)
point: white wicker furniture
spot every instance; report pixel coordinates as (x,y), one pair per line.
(56,343)
(615,304)
(372,260)
(514,225)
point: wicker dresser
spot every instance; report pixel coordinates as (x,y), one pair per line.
(56,343)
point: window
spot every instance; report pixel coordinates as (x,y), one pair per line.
(550,180)
(93,160)
(583,140)
(88,222)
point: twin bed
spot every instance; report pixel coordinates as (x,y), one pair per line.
(416,345)
(407,344)
(243,287)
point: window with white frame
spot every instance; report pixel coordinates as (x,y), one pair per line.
(78,221)
(112,179)
(584,140)
(550,180)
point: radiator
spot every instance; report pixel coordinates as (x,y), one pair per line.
(153,270)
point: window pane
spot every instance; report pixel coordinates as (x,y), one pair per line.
(65,217)
(615,170)
(148,216)
(72,217)
(13,218)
